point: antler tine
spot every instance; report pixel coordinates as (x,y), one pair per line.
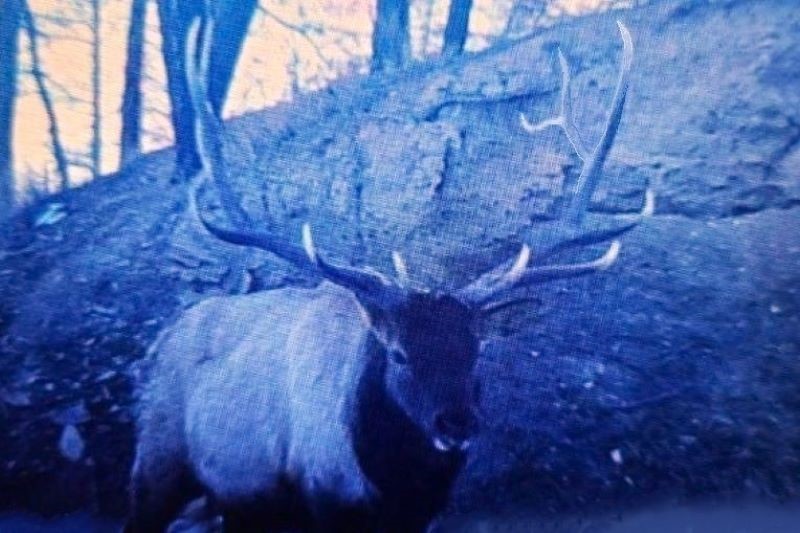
(400,269)
(507,273)
(542,274)
(493,285)
(564,120)
(552,272)
(591,172)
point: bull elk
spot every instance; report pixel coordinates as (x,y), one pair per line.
(348,406)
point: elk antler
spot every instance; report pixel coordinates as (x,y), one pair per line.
(574,226)
(208,133)
(208,137)
(563,119)
(400,269)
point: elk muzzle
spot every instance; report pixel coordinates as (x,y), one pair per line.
(453,429)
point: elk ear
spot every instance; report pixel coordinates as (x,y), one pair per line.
(365,317)
(381,316)
(377,320)
(376,314)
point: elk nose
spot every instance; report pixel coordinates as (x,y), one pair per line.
(456,424)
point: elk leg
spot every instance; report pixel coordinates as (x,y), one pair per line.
(332,516)
(160,487)
(278,512)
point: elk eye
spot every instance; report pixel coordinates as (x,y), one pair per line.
(398,356)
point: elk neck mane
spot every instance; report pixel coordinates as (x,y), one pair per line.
(394,454)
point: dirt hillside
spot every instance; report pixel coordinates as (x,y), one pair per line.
(675,372)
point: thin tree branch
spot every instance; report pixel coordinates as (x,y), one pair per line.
(62,163)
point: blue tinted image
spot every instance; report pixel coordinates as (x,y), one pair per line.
(399,266)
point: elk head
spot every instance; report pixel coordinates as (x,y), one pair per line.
(430,339)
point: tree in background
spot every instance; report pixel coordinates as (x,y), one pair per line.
(526,17)
(73,22)
(234,19)
(56,146)
(426,16)
(457,29)
(130,141)
(391,38)
(321,41)
(95,150)
(9,30)
(230,29)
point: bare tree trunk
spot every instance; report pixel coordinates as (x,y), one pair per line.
(130,139)
(59,154)
(524,18)
(174,18)
(391,40)
(457,29)
(231,30)
(427,27)
(97,124)
(9,34)
(231,23)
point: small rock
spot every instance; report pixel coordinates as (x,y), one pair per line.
(616,456)
(104,311)
(105,376)
(71,444)
(51,214)
(15,398)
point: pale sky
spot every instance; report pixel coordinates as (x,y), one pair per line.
(275,61)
